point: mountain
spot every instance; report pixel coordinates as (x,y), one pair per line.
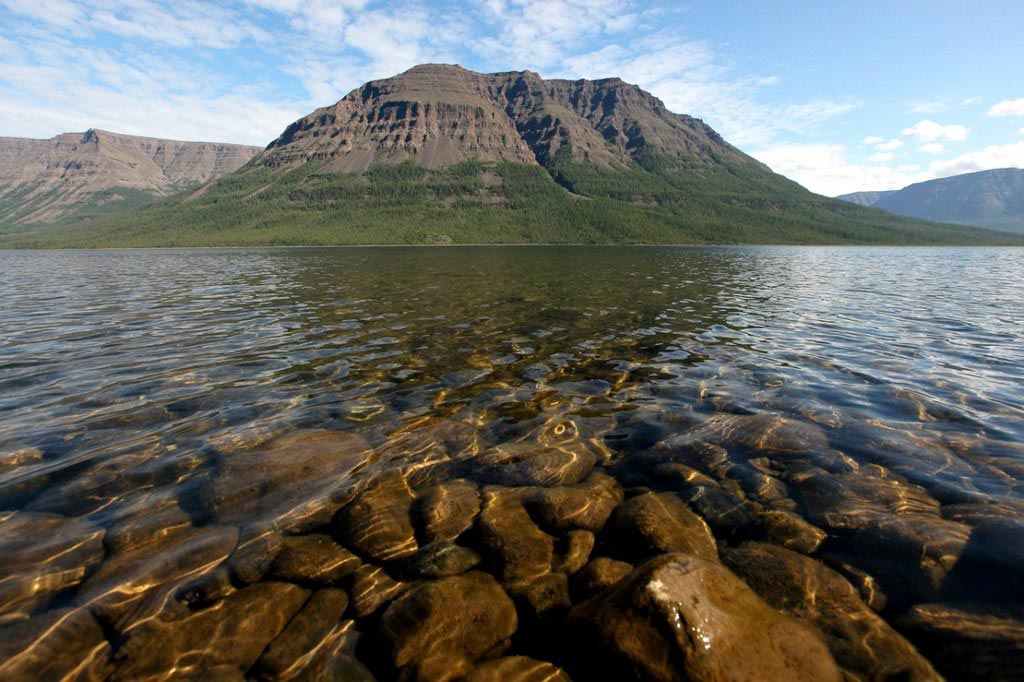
(99,171)
(992,199)
(440,154)
(865,198)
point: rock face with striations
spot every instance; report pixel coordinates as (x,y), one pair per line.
(42,180)
(438,115)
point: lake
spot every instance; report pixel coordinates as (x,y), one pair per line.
(318,463)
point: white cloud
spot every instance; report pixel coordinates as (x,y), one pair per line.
(890,145)
(970,100)
(1021,131)
(1008,107)
(932,148)
(827,169)
(872,139)
(882,157)
(993,156)
(932,106)
(930,131)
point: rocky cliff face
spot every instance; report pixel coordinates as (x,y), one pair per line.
(439,115)
(42,180)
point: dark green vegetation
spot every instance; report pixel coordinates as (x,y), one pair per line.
(992,199)
(472,202)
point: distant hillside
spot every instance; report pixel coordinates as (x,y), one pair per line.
(440,154)
(993,199)
(95,172)
(865,198)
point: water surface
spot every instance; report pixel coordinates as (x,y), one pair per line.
(136,386)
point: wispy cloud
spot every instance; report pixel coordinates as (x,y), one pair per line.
(829,169)
(1008,107)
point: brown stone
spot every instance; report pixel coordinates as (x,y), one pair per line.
(789,530)
(291,481)
(543,598)
(573,551)
(526,463)
(63,644)
(443,559)
(967,642)
(861,642)
(682,617)
(510,541)
(377,523)
(447,510)
(304,634)
(313,558)
(43,555)
(372,588)
(597,576)
(585,506)
(517,669)
(657,523)
(454,619)
(232,632)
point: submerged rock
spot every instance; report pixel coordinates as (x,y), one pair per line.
(377,523)
(597,576)
(682,617)
(967,643)
(60,644)
(526,463)
(585,506)
(789,530)
(305,633)
(447,510)
(289,481)
(313,559)
(446,625)
(864,645)
(43,555)
(443,559)
(233,632)
(573,551)
(657,523)
(543,598)
(372,588)
(517,669)
(510,541)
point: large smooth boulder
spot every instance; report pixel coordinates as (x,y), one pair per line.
(682,617)
(446,625)
(863,644)
(658,523)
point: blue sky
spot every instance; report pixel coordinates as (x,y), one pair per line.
(840,96)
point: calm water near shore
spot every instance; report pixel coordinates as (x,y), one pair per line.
(280,463)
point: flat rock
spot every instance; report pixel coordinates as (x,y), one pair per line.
(447,510)
(313,558)
(453,619)
(304,634)
(290,481)
(682,617)
(43,555)
(967,643)
(863,644)
(585,506)
(658,523)
(232,632)
(517,669)
(62,644)
(377,523)
(510,541)
(124,580)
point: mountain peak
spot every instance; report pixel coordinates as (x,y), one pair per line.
(438,115)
